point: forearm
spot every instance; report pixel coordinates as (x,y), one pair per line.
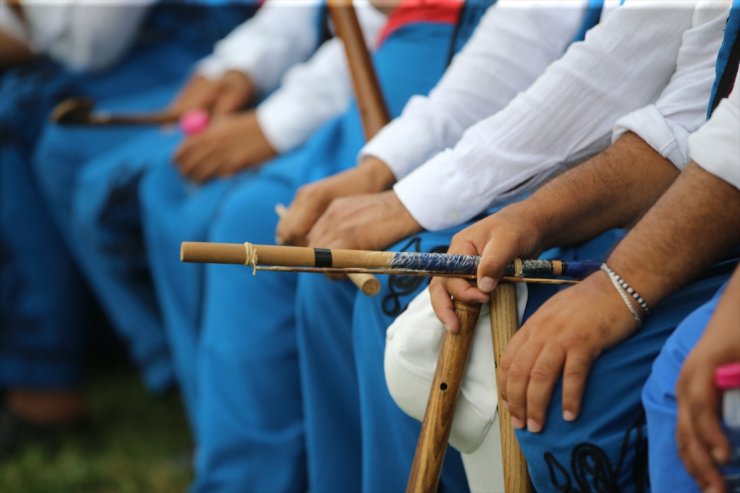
(611,190)
(12,52)
(694,224)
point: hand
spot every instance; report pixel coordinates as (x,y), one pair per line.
(563,337)
(219,96)
(232,143)
(363,222)
(500,238)
(701,442)
(371,176)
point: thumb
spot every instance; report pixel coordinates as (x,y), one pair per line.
(499,252)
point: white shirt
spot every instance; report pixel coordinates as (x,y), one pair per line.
(280,35)
(567,115)
(716,146)
(513,44)
(313,92)
(81,34)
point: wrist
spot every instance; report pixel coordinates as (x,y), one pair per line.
(616,306)
(529,217)
(379,175)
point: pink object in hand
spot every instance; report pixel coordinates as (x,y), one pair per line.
(194,121)
(728,376)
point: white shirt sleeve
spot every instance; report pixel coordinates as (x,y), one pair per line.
(313,92)
(682,107)
(84,35)
(281,34)
(513,44)
(716,146)
(565,116)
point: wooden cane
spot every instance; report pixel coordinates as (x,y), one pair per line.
(368,95)
(435,429)
(504,324)
(81,111)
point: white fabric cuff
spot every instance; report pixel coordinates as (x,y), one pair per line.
(425,192)
(667,138)
(411,351)
(400,146)
(716,146)
(211,67)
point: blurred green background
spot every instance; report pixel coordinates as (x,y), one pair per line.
(136,442)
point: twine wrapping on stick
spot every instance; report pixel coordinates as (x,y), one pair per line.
(250,257)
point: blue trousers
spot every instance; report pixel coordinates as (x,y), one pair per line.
(249,412)
(42,296)
(606,447)
(146,79)
(337,380)
(667,472)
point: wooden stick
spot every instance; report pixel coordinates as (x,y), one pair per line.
(504,324)
(407,272)
(435,429)
(368,94)
(80,111)
(367,283)
(289,256)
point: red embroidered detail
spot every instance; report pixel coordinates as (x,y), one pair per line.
(413,11)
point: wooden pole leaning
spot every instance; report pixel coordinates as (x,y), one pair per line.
(368,95)
(437,423)
(504,324)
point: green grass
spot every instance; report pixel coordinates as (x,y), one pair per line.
(137,443)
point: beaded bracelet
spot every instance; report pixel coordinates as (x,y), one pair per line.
(629,289)
(623,295)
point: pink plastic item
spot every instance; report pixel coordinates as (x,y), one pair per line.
(728,376)
(194,121)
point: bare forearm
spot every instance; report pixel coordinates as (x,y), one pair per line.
(611,190)
(12,52)
(693,225)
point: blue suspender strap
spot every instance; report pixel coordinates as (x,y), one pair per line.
(727,59)
(323,33)
(590,18)
(470,16)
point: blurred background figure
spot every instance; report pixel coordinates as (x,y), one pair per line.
(49,52)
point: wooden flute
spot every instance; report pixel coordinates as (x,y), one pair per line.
(335,260)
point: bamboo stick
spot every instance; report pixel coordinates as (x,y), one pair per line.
(402,262)
(504,324)
(435,429)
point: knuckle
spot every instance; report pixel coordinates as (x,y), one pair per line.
(516,372)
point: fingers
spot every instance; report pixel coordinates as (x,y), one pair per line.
(228,101)
(542,379)
(577,365)
(442,303)
(517,381)
(701,442)
(302,214)
(199,162)
(499,252)
(695,457)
